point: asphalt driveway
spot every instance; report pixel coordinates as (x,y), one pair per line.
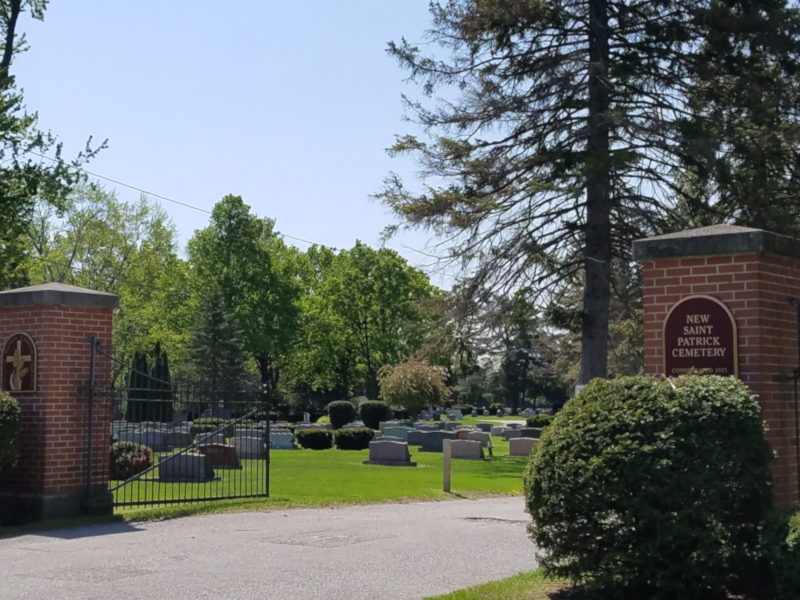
(386,552)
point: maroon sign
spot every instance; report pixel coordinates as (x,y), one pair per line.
(18,364)
(700,334)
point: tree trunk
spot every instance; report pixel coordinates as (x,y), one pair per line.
(597,258)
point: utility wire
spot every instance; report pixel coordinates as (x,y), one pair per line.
(208,212)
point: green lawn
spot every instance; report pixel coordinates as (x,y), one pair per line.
(330,477)
(525,586)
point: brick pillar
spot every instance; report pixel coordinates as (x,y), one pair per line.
(755,273)
(50,479)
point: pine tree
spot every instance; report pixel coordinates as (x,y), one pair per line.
(137,408)
(576,124)
(215,344)
(161,386)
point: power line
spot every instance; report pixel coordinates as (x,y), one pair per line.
(208,212)
(173,201)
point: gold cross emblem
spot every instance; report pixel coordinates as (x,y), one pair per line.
(19,372)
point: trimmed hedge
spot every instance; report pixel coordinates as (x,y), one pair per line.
(372,412)
(129,459)
(315,439)
(324,419)
(539,421)
(353,439)
(10,425)
(780,542)
(341,413)
(642,490)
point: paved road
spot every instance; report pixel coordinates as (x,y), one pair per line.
(390,551)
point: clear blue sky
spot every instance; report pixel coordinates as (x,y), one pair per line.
(287,104)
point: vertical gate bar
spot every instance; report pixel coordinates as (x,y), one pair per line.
(90,453)
(269,454)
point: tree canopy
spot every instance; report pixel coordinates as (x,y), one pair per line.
(570,129)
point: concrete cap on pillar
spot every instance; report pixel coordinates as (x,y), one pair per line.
(714,240)
(58,294)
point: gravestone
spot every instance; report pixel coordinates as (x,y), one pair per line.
(500,413)
(452,426)
(466,450)
(398,432)
(480,436)
(384,424)
(217,413)
(513,425)
(251,433)
(521,446)
(463,433)
(180,418)
(511,434)
(530,432)
(152,439)
(194,468)
(306,418)
(487,427)
(178,439)
(221,456)
(497,430)
(485,412)
(389,454)
(250,447)
(433,441)
(415,437)
(389,438)
(282,441)
(214,437)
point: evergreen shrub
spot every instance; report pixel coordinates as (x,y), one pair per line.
(780,574)
(324,419)
(209,424)
(341,413)
(315,439)
(353,439)
(129,459)
(643,490)
(539,421)
(372,412)
(10,425)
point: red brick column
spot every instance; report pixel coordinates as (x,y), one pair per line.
(50,479)
(755,273)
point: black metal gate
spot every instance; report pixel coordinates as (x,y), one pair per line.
(180,441)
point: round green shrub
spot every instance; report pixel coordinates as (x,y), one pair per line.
(315,439)
(324,419)
(372,412)
(341,413)
(353,439)
(129,459)
(643,490)
(539,421)
(779,577)
(209,424)
(10,425)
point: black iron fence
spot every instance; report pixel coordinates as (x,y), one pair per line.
(184,440)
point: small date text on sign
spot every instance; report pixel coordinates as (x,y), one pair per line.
(700,334)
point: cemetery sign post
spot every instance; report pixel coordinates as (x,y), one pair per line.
(700,335)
